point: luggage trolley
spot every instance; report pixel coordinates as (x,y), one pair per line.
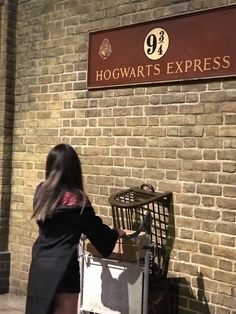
(120,284)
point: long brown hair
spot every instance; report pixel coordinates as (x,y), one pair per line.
(63,173)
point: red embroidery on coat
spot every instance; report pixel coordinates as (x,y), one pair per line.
(70,199)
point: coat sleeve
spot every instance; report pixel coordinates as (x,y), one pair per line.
(100,235)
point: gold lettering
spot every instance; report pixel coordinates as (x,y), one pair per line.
(179,69)
(172,67)
(132,73)
(188,64)
(140,71)
(207,64)
(169,68)
(216,63)
(107,75)
(99,75)
(157,70)
(115,74)
(124,72)
(148,66)
(226,60)
(197,63)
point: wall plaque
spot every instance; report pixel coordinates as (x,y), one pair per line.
(194,46)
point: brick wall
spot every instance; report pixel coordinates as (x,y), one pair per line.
(7,84)
(178,137)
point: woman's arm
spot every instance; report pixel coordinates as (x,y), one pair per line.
(100,235)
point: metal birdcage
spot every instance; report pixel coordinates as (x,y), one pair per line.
(143,209)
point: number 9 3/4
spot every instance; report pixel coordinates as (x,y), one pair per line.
(156,43)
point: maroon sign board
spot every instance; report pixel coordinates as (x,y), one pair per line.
(194,46)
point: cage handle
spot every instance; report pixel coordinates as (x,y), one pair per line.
(148,186)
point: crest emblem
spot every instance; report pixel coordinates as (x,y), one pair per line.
(105,49)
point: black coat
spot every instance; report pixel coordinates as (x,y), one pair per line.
(56,246)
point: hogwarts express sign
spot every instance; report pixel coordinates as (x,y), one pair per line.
(187,47)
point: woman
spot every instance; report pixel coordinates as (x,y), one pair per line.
(63,213)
